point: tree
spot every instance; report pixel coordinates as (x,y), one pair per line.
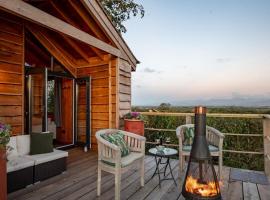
(164,107)
(121,10)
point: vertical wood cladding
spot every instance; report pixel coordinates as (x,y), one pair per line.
(12,72)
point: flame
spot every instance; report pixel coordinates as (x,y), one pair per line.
(205,190)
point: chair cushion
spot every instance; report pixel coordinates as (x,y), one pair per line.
(41,143)
(127,160)
(23,144)
(20,162)
(47,157)
(188,136)
(118,139)
(12,152)
(211,148)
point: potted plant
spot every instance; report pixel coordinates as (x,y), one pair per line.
(133,122)
(4,140)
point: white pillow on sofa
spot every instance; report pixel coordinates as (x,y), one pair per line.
(13,152)
(23,145)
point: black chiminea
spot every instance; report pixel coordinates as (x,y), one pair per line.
(201,180)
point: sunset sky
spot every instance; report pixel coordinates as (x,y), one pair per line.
(200,50)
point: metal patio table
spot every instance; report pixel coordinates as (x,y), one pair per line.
(167,153)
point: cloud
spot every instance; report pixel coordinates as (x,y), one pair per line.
(184,66)
(223,60)
(149,70)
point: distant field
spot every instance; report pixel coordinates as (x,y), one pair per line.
(213,109)
(225,125)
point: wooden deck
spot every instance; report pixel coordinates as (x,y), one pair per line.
(79,182)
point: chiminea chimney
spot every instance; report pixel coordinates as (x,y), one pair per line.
(201,180)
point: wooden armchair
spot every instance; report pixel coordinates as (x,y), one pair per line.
(215,141)
(110,160)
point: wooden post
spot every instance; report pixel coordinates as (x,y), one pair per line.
(266,142)
(188,119)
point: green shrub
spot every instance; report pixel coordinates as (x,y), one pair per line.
(225,125)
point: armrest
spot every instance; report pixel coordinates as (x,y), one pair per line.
(108,144)
(216,132)
(135,142)
(107,151)
(135,136)
(215,137)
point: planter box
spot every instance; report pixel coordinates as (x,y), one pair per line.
(3,175)
(134,126)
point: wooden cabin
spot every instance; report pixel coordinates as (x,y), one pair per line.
(64,68)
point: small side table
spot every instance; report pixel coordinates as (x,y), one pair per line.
(167,153)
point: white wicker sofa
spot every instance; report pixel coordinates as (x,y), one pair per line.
(24,169)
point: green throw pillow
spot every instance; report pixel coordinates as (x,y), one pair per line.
(118,140)
(188,136)
(41,143)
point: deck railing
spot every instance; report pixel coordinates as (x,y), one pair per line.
(265,123)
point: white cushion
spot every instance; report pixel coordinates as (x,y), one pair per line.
(12,153)
(20,162)
(46,157)
(23,144)
(130,158)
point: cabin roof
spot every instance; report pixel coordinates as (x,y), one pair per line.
(112,25)
(89,25)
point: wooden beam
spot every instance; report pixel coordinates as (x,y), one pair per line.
(56,52)
(36,52)
(62,14)
(87,20)
(96,11)
(42,18)
(64,51)
(41,53)
(70,21)
(76,47)
(93,63)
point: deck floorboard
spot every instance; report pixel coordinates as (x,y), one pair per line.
(79,182)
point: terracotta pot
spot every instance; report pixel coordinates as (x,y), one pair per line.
(134,126)
(3,174)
